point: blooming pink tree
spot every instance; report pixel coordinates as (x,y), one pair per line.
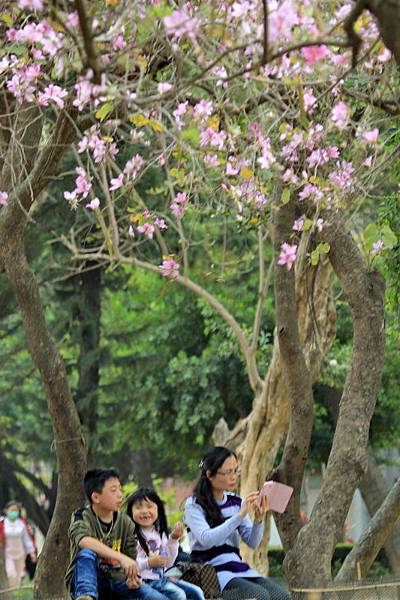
(256,121)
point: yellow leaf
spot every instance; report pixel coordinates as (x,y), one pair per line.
(133,218)
(139,120)
(156,126)
(112,2)
(107,138)
(213,122)
(254,221)
(246,173)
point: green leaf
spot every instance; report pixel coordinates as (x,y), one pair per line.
(161,11)
(307,225)
(371,234)
(286,195)
(104,111)
(314,257)
(323,248)
(191,135)
(388,237)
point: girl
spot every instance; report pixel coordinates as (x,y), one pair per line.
(157,550)
(18,543)
(216,518)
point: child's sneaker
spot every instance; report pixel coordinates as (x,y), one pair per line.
(84,598)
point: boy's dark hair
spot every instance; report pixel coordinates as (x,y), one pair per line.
(95,479)
(161,523)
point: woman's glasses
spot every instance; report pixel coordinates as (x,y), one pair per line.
(229,472)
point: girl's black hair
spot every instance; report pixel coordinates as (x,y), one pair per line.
(161,524)
(202,492)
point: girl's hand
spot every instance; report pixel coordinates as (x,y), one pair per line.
(260,508)
(248,503)
(33,557)
(155,560)
(177,531)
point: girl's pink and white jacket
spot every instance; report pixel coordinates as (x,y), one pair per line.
(164,545)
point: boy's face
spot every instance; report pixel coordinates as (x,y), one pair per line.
(110,498)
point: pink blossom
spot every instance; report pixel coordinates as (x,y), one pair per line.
(178,205)
(148,229)
(117,182)
(384,55)
(371,137)
(3,198)
(313,54)
(181,109)
(52,93)
(343,177)
(170,268)
(73,19)
(310,101)
(310,191)
(131,232)
(118,43)
(164,86)
(133,166)
(212,138)
(368,161)
(30,4)
(180,23)
(287,255)
(160,223)
(93,204)
(203,109)
(83,185)
(211,160)
(340,114)
(377,247)
(282,20)
(232,170)
(298,224)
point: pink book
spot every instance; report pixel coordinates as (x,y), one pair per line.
(278,495)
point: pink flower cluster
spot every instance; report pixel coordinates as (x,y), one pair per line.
(95,143)
(178,205)
(170,268)
(180,24)
(288,255)
(82,188)
(3,198)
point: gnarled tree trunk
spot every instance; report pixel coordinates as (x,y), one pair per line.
(257,438)
(308,562)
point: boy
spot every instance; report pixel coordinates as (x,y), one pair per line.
(103,545)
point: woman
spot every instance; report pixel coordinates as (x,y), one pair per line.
(17,541)
(216,518)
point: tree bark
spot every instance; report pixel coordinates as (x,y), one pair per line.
(71,455)
(308,563)
(360,559)
(258,437)
(89,356)
(373,487)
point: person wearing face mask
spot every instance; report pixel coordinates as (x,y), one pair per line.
(17,542)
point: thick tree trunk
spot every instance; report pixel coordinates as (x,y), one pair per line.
(308,563)
(258,437)
(89,356)
(71,455)
(373,487)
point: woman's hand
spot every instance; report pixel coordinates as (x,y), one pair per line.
(260,508)
(248,503)
(177,531)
